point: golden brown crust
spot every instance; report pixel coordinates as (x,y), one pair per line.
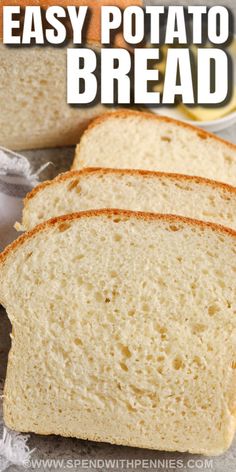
(94,27)
(110,213)
(122,113)
(134,172)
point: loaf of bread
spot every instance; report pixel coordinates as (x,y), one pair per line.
(136,190)
(33,101)
(123,330)
(138,140)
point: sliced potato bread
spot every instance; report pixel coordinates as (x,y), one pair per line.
(138,140)
(132,190)
(123,330)
(33,99)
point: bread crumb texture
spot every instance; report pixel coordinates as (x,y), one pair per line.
(34,111)
(123,331)
(139,140)
(135,190)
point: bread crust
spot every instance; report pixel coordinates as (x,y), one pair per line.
(110,213)
(123,113)
(94,28)
(132,172)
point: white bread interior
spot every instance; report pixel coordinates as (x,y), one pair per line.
(34,109)
(88,189)
(138,140)
(123,331)
(33,97)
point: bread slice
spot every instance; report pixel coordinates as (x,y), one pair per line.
(138,140)
(137,190)
(35,113)
(123,330)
